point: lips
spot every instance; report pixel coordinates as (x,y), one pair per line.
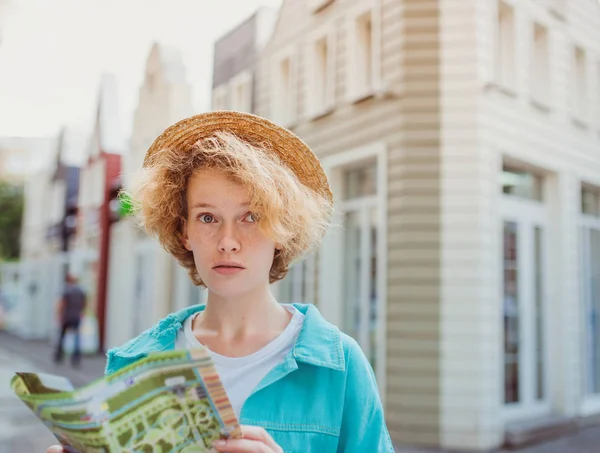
(228,265)
(228,268)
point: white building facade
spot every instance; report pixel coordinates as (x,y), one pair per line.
(37,285)
(462,140)
(524,159)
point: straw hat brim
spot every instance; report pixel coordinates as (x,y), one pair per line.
(258,131)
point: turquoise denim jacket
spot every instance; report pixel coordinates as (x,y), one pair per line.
(322,398)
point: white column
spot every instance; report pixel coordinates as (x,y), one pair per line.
(470,332)
(564,301)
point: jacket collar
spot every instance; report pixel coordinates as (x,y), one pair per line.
(319,342)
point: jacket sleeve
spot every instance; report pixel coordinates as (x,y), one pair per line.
(363,424)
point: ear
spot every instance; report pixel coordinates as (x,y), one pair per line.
(278,249)
(185,240)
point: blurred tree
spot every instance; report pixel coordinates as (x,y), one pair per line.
(11,213)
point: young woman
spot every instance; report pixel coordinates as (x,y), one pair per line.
(236,199)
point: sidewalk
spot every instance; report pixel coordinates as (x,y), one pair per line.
(40,353)
(22,432)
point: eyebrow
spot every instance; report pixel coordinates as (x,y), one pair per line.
(207,205)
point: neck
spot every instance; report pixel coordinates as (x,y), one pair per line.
(244,315)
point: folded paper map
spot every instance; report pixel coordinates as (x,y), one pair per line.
(166,402)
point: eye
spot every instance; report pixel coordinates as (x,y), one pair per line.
(251,217)
(206,218)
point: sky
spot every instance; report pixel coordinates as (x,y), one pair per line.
(53,52)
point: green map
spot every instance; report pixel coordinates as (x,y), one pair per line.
(166,402)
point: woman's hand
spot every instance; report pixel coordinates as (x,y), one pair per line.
(255,440)
(55,449)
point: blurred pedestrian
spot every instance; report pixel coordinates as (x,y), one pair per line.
(69,312)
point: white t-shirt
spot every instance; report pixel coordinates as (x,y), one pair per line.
(241,375)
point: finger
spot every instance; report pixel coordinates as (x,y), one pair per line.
(260,434)
(242,446)
(55,449)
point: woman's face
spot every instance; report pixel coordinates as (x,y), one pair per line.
(232,255)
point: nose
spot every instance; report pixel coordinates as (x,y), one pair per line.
(228,240)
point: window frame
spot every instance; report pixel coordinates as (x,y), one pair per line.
(587,223)
(528,214)
(316,108)
(331,255)
(243,79)
(295,282)
(503,78)
(356,93)
(580,101)
(286,115)
(541,93)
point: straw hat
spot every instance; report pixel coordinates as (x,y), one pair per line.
(256,131)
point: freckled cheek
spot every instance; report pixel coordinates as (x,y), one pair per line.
(201,239)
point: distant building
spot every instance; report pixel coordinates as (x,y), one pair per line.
(141,271)
(36,280)
(64,193)
(99,173)
(3,14)
(20,157)
(235,58)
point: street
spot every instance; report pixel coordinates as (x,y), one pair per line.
(22,432)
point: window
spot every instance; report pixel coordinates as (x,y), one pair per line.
(321,75)
(524,290)
(506,65)
(363,54)
(241,92)
(521,183)
(317,5)
(590,254)
(220,98)
(360,181)
(283,98)
(195,294)
(360,271)
(299,283)
(558,7)
(511,314)
(579,84)
(352,266)
(540,62)
(590,202)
